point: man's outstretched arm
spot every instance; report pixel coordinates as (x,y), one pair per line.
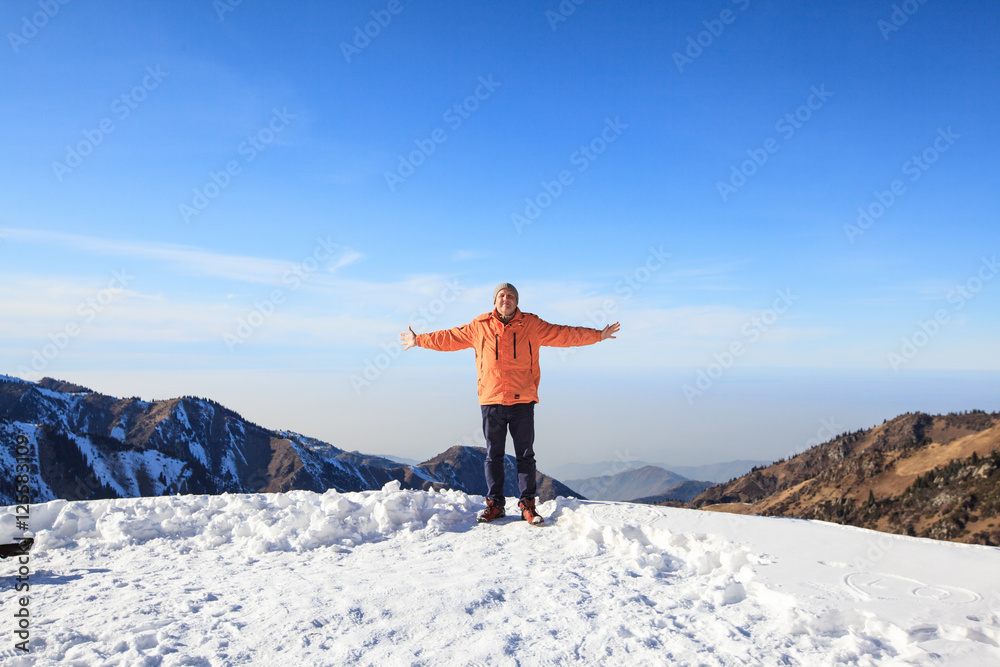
(446,340)
(559,335)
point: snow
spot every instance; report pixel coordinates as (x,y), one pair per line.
(154,464)
(181,415)
(421,473)
(97,463)
(229,462)
(70,400)
(402,577)
(198,452)
(228,466)
(315,453)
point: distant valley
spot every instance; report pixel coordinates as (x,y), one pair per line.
(639,485)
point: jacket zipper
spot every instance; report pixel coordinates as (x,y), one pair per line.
(496,345)
(515,345)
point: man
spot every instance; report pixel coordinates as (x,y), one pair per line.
(506,342)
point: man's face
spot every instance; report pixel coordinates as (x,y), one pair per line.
(506,302)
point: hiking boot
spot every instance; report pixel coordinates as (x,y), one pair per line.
(494,510)
(527,507)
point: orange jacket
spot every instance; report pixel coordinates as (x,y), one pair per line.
(507,354)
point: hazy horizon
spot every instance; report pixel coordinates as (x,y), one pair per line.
(757,414)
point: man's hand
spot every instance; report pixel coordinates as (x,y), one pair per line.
(408,339)
(609,331)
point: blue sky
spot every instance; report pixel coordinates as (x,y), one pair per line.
(250,200)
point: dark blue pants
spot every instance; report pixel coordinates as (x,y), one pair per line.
(520,420)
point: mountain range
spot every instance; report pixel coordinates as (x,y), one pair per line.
(642,483)
(714,472)
(917,474)
(85,445)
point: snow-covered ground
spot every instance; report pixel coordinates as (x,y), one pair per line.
(397,577)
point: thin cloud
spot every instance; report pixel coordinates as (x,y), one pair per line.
(193,260)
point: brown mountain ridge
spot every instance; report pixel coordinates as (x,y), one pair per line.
(917,474)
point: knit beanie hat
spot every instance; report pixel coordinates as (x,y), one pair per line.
(505,286)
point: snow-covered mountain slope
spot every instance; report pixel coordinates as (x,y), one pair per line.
(398,577)
(87,445)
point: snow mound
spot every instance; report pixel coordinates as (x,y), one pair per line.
(252,523)
(644,543)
